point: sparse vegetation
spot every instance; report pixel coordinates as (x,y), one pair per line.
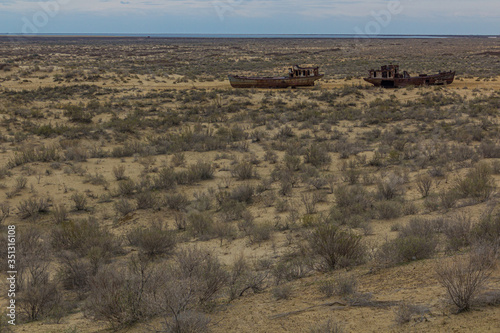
(147,194)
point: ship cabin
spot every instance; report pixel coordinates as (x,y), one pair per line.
(388,73)
(298,71)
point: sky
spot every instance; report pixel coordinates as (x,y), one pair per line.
(363,17)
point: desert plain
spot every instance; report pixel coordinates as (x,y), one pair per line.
(148,195)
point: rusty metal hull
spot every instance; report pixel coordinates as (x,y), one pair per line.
(436,79)
(272,82)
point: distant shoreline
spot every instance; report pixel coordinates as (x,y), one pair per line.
(244,36)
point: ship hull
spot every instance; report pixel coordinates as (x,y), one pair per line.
(272,82)
(436,79)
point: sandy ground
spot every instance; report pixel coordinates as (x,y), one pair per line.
(414,283)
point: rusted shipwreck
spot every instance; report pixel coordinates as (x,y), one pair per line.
(297,77)
(389,77)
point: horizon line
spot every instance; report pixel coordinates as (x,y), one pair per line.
(229,35)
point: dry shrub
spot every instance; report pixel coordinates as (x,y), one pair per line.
(126,187)
(32,208)
(38,295)
(34,154)
(330,326)
(292,266)
(123,296)
(424,183)
(282,292)
(421,227)
(176,201)
(327,288)
(464,277)
(178,159)
(243,171)
(60,214)
(243,193)
(350,172)
(165,180)
(487,230)
(80,201)
(205,269)
(458,231)
(231,210)
(4,211)
(416,241)
(200,224)
(153,241)
(74,273)
(388,209)
(143,289)
(81,236)
(345,285)
(224,231)
(76,153)
(21,182)
(310,200)
(188,322)
(146,200)
(337,247)
(202,170)
(124,206)
(478,184)
(317,155)
(119,172)
(390,187)
(260,233)
(352,202)
(242,278)
(406,312)
(447,199)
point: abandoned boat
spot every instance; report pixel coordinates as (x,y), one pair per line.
(297,77)
(389,77)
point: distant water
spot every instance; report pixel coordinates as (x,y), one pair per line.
(326,36)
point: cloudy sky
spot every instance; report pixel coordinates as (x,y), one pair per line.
(368,17)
